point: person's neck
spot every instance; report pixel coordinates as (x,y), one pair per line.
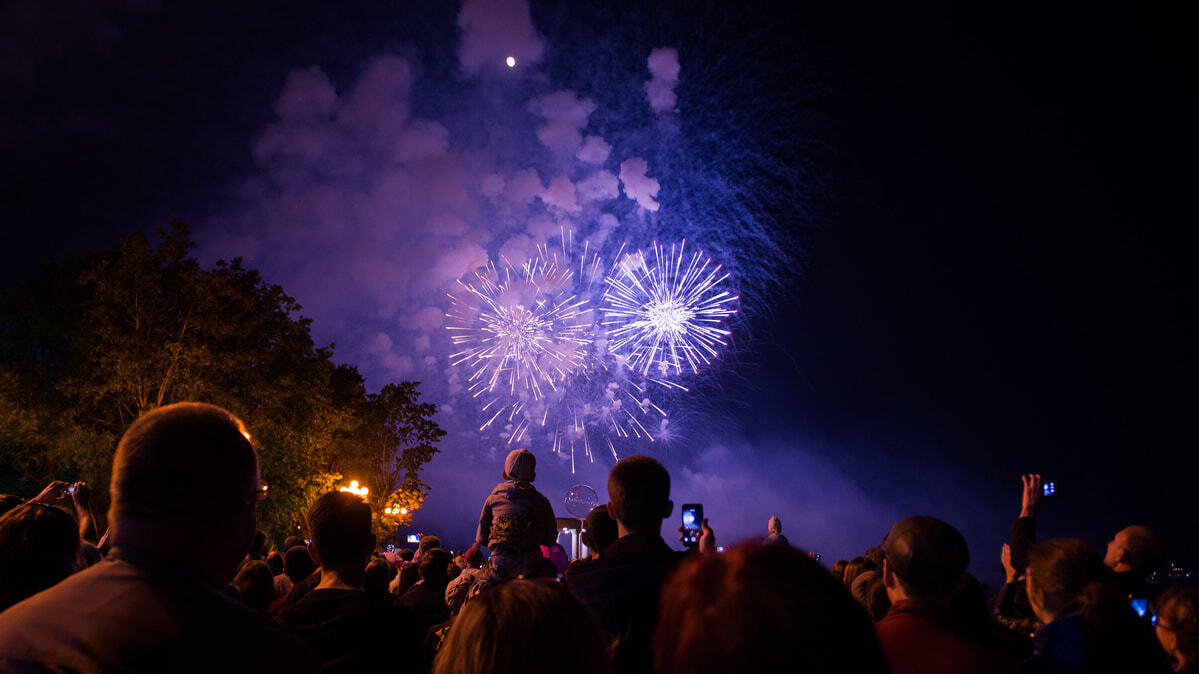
(331,579)
(209,562)
(622,531)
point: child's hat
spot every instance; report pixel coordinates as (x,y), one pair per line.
(520,465)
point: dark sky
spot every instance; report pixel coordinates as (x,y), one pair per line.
(994,275)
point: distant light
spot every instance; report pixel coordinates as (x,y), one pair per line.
(511,61)
(403,511)
(355,489)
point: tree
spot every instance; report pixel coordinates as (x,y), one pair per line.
(93,343)
(393,443)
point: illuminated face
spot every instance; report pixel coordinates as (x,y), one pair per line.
(1166,636)
(1115,550)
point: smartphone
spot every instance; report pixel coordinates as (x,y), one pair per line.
(414,538)
(70,490)
(693,516)
(1048,488)
(1141,606)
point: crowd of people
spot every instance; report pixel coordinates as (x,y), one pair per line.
(183,582)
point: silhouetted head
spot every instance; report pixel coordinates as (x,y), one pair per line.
(856,567)
(599,529)
(926,556)
(380,572)
(527,626)
(639,493)
(1136,550)
(1177,625)
(473,557)
(340,525)
(185,484)
(520,465)
(434,567)
(1065,576)
(274,559)
(39,546)
(297,563)
(255,584)
(757,606)
(427,543)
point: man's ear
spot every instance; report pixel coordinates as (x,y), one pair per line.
(313,554)
(611,510)
(888,575)
(669,509)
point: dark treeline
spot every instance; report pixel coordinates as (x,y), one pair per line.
(94,341)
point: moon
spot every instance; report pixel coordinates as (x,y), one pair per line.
(511,61)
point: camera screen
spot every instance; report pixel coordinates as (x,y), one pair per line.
(1140,606)
(689,519)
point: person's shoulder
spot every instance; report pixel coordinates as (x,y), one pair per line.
(109,577)
(582,567)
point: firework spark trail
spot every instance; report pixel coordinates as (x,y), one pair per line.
(546,371)
(669,315)
(520,328)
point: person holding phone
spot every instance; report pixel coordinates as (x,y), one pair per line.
(622,585)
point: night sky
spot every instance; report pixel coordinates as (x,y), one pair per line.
(983,214)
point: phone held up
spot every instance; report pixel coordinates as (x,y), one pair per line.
(693,516)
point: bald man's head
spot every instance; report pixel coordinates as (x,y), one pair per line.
(927,555)
(188,463)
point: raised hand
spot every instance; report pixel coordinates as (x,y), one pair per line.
(1033,493)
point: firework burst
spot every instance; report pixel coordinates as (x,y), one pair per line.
(520,330)
(666,316)
(537,361)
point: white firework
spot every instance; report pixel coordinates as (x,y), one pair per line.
(669,315)
(521,330)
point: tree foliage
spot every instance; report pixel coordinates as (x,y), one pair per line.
(395,440)
(94,342)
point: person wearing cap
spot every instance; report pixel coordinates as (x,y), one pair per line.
(516,519)
(775,537)
(924,560)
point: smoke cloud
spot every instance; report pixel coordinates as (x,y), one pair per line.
(371,201)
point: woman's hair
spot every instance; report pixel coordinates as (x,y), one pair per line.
(868,590)
(297,563)
(274,560)
(409,575)
(380,571)
(1178,613)
(255,584)
(526,626)
(1066,576)
(838,569)
(39,546)
(856,566)
(750,608)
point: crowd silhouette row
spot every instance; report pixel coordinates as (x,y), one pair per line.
(183,582)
